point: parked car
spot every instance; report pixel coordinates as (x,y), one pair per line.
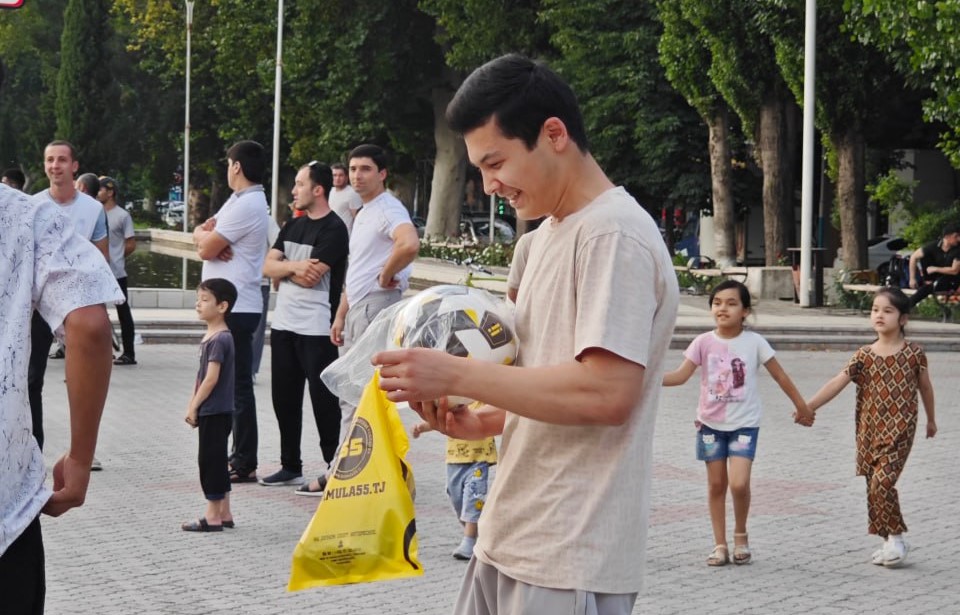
(881,249)
(173,213)
(476,229)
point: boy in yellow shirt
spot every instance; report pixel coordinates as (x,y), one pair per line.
(468,467)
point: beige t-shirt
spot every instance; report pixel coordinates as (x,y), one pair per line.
(570,505)
(519,262)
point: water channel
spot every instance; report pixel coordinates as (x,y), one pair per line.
(154,265)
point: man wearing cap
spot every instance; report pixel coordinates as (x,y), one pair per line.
(122,244)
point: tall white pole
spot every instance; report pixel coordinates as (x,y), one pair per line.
(186,126)
(809,101)
(186,143)
(275,188)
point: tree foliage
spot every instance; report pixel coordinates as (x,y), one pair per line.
(921,39)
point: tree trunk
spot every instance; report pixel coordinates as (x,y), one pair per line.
(721,183)
(777,187)
(851,199)
(449,172)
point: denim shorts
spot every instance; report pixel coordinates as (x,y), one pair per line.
(467,489)
(713,444)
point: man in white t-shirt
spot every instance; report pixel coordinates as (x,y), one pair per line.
(383,244)
(67,281)
(233,245)
(343,198)
(566,520)
(90,222)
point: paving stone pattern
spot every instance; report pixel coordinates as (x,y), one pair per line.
(124,552)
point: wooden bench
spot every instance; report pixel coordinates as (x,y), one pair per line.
(947,299)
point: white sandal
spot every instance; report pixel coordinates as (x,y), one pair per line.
(741,553)
(719,556)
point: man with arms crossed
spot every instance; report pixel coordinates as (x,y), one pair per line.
(383,244)
(309,260)
(232,245)
(564,528)
(343,199)
(68,282)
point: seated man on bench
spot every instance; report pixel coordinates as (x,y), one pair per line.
(938,265)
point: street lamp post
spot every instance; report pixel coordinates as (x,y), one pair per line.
(275,188)
(186,127)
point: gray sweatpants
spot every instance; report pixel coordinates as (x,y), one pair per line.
(487,591)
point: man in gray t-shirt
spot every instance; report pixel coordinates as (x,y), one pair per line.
(122,243)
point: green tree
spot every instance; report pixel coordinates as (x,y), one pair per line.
(83,79)
(30,50)
(744,70)
(642,132)
(922,39)
(686,59)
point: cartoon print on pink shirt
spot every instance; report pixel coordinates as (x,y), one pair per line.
(726,377)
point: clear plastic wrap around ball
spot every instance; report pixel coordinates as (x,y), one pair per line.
(460,320)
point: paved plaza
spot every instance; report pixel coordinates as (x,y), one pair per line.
(124,552)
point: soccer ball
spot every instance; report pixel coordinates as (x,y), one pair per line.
(460,320)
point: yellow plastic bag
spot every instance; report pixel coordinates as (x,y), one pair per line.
(364,529)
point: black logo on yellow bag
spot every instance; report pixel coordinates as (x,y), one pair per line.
(356,451)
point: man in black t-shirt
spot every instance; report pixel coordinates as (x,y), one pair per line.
(938,265)
(309,261)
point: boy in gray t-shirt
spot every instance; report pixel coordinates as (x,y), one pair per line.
(211,407)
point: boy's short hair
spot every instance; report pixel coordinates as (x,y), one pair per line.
(321,175)
(252,158)
(15,178)
(373,152)
(951,228)
(520,95)
(222,290)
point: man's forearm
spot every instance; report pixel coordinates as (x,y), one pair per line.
(87,368)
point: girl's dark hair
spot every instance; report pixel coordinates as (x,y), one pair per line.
(728,284)
(222,290)
(899,301)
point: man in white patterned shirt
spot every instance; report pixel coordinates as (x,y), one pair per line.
(45,265)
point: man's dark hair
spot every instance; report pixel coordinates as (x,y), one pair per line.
(373,152)
(321,175)
(73,150)
(222,290)
(951,228)
(338,166)
(15,178)
(520,95)
(91,184)
(252,158)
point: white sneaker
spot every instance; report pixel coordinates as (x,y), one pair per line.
(877,558)
(895,554)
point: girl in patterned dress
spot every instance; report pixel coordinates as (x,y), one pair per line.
(888,374)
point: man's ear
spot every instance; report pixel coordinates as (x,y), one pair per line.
(556,133)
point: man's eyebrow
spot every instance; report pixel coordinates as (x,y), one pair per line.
(486,157)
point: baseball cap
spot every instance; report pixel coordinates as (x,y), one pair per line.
(109,182)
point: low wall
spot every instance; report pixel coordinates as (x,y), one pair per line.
(770,282)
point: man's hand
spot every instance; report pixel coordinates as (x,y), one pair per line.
(209,224)
(336,331)
(191,417)
(417,374)
(226,254)
(70,480)
(308,273)
(457,422)
(387,284)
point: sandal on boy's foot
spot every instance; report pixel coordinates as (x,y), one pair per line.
(741,553)
(200,525)
(237,477)
(718,557)
(229,524)
(877,558)
(313,488)
(124,359)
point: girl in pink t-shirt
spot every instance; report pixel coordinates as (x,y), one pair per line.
(728,415)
